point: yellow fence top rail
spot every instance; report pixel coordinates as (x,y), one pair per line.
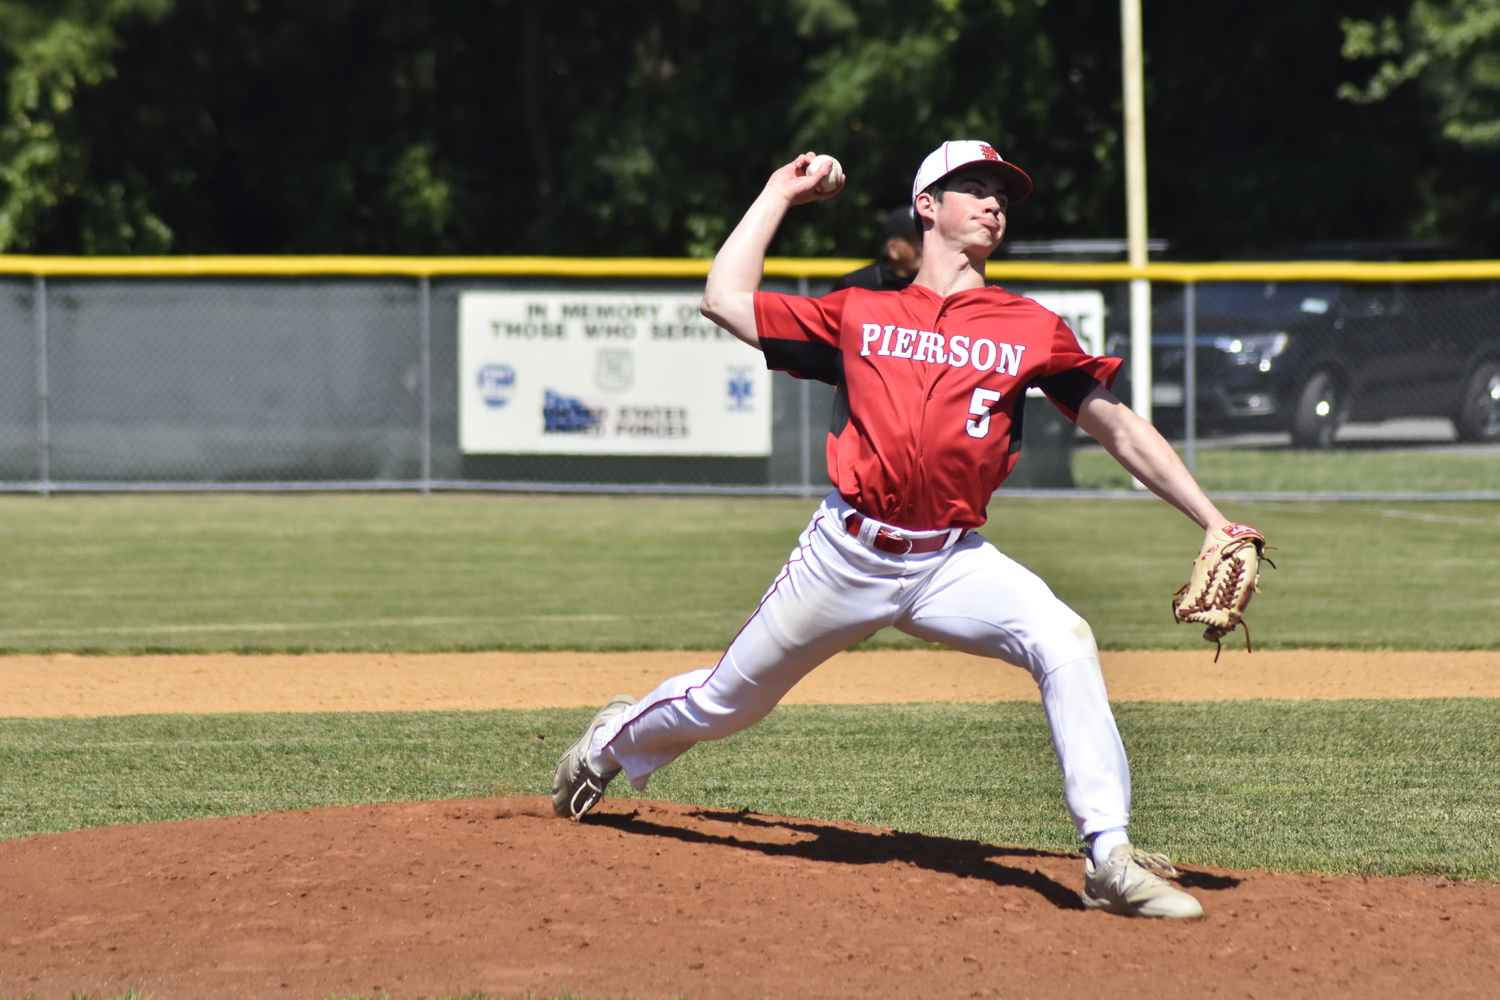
(690,267)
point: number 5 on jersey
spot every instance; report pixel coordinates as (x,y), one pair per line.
(979,405)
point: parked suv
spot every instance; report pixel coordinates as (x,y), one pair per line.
(1305,357)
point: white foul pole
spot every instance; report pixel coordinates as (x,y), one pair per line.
(1135,205)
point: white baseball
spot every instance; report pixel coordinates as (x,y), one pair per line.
(835,176)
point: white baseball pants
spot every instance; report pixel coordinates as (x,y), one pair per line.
(835,591)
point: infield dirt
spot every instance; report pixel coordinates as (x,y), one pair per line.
(64,685)
(647,900)
(656,900)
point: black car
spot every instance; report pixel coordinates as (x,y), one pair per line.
(1305,357)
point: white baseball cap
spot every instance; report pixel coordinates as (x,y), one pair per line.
(960,153)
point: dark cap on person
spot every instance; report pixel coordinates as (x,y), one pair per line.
(901,223)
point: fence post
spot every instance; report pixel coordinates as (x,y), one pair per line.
(804,400)
(1190,372)
(426,325)
(43,391)
(1133,92)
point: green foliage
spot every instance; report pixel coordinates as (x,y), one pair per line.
(134,574)
(1372,787)
(889,82)
(51,51)
(1452,47)
(424,201)
(391,127)
(327,126)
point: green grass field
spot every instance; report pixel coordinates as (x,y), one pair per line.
(131,574)
(1375,787)
(1338,470)
(1378,787)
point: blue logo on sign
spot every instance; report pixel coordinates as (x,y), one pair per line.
(566,415)
(740,388)
(497,383)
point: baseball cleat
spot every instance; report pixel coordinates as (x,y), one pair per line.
(577,787)
(1129,883)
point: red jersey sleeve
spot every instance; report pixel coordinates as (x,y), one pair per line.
(800,335)
(1072,373)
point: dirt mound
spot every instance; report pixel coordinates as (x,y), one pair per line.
(658,900)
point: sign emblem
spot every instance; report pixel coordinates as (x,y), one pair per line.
(614,371)
(566,415)
(497,383)
(740,388)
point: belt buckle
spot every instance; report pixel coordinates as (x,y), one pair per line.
(910,544)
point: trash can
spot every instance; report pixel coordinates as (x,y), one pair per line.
(1046,460)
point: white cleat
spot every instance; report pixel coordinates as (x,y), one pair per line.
(577,787)
(1130,883)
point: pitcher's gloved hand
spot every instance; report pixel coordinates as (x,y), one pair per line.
(1224,578)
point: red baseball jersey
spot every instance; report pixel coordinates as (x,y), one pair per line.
(931,390)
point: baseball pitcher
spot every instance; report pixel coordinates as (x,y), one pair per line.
(930,387)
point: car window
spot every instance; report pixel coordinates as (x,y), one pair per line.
(1360,299)
(1267,305)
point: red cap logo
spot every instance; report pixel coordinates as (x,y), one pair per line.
(988,151)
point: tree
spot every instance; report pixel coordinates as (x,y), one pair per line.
(1451,48)
(643,126)
(646,126)
(483,126)
(889,81)
(1251,151)
(51,51)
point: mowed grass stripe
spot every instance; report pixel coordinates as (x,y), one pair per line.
(1374,787)
(1347,469)
(330,573)
(374,623)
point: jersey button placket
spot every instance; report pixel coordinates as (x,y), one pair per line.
(920,471)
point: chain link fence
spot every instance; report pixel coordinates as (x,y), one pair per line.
(338,381)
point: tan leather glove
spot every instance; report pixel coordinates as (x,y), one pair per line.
(1223,580)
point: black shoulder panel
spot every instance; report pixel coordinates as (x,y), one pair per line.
(840,402)
(1069,388)
(1018,423)
(804,359)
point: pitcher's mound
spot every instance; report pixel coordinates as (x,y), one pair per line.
(658,900)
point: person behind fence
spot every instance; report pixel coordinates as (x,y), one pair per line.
(900,257)
(930,382)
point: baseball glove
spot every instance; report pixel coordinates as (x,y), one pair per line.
(1224,578)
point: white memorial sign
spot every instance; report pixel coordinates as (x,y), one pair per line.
(1083,311)
(605,373)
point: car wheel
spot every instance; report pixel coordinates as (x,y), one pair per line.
(1320,410)
(1479,418)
